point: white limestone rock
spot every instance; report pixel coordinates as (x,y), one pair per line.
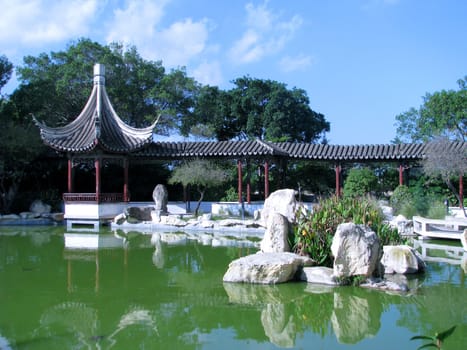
(206,224)
(205,217)
(230,222)
(29,215)
(464,240)
(403,225)
(275,238)
(160,196)
(356,250)
(120,219)
(402,259)
(385,285)
(11,217)
(319,275)
(172,220)
(266,268)
(58,217)
(388,212)
(280,201)
(39,207)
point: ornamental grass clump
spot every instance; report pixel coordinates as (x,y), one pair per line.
(314,230)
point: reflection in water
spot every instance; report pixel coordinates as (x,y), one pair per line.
(77,321)
(440,251)
(354,318)
(279,325)
(166,291)
(352,313)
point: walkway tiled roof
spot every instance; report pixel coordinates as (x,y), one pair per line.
(220,149)
(98,125)
(380,152)
(305,151)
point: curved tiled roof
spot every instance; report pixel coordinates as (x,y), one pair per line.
(379,152)
(98,125)
(304,151)
(219,149)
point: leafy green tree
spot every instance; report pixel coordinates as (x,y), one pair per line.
(442,113)
(442,161)
(212,116)
(359,182)
(262,109)
(201,173)
(6,68)
(19,144)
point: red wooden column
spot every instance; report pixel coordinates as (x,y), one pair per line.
(70,181)
(97,165)
(266,179)
(248,183)
(338,170)
(401,174)
(126,195)
(239,187)
(461,190)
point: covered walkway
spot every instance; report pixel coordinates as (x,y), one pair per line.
(99,134)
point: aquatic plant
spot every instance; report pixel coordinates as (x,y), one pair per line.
(436,340)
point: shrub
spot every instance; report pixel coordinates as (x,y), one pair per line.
(402,197)
(437,210)
(314,230)
(418,200)
(359,182)
(231,195)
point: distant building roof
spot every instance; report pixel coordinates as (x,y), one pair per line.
(98,125)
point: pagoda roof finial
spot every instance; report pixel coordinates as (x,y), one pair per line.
(99,74)
(97,124)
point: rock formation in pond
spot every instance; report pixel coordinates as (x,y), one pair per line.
(356,250)
(402,259)
(275,237)
(277,216)
(282,202)
(266,268)
(160,196)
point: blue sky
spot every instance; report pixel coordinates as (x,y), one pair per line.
(361,62)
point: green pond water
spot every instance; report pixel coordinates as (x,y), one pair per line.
(165,291)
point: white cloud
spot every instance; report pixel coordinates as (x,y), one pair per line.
(208,73)
(138,24)
(265,34)
(290,64)
(39,22)
(182,41)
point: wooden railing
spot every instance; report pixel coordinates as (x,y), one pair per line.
(93,197)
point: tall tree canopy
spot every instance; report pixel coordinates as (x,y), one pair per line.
(257,108)
(6,68)
(19,144)
(442,114)
(55,86)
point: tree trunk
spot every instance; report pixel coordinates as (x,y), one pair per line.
(456,193)
(201,196)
